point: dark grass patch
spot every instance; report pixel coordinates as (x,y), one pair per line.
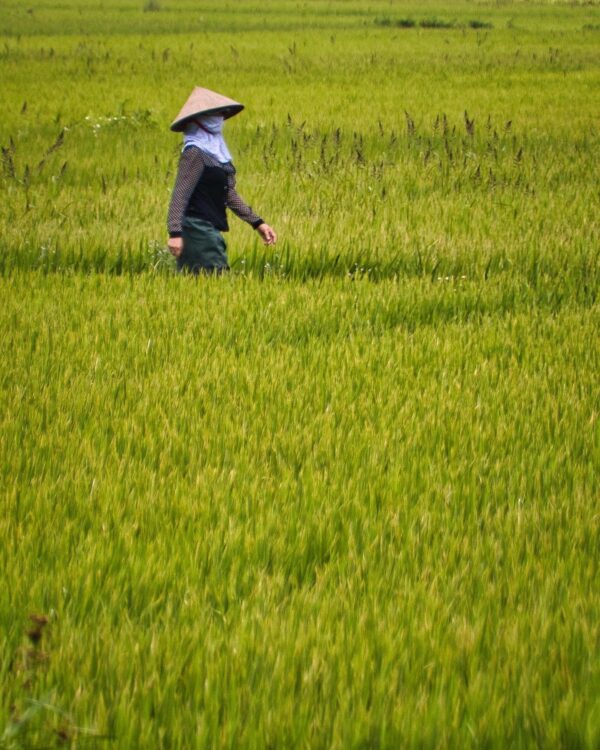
(475,24)
(436,23)
(400,23)
(430,23)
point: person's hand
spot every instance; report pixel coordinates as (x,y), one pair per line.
(175,246)
(268,234)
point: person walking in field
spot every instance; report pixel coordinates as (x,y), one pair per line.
(205,187)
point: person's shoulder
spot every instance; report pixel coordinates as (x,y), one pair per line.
(191,151)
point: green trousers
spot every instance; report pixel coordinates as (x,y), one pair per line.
(204,249)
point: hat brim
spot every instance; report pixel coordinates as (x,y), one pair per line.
(228,110)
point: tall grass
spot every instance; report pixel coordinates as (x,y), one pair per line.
(301,514)
(406,146)
(345,497)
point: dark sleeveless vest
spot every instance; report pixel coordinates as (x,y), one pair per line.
(209,197)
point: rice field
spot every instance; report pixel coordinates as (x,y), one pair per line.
(346,496)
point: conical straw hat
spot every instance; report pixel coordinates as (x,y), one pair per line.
(205,102)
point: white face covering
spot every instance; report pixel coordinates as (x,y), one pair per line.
(208,136)
(213,123)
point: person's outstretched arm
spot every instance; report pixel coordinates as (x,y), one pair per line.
(240,208)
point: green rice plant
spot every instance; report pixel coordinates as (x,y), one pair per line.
(335,488)
(345,496)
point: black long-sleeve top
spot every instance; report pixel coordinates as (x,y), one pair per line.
(204,187)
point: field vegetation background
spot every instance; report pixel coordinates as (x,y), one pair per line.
(347,496)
